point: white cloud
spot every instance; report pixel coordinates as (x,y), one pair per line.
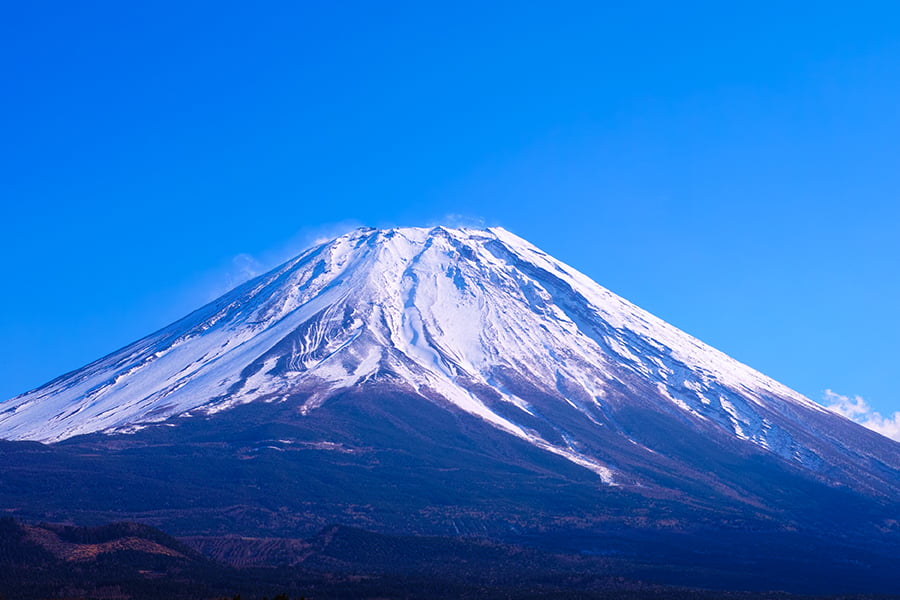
(311,236)
(459,220)
(858,410)
(244,267)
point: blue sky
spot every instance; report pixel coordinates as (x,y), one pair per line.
(732,168)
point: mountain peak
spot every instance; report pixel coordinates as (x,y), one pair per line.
(473,320)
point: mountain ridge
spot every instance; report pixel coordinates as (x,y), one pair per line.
(477,319)
(458,383)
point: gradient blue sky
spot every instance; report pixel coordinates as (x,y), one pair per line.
(732,167)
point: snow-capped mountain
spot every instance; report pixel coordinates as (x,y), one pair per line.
(469,320)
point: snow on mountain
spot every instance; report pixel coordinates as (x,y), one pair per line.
(476,320)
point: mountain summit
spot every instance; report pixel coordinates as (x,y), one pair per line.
(459,382)
(477,321)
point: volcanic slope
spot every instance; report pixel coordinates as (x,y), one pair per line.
(473,320)
(445,381)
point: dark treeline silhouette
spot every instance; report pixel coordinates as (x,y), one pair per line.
(127,560)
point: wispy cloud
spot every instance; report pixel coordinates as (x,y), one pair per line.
(311,236)
(460,220)
(858,410)
(245,266)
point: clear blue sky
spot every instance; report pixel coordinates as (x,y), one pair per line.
(733,168)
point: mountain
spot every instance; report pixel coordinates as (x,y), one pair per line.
(451,382)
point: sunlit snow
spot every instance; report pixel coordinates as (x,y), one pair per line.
(435,307)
